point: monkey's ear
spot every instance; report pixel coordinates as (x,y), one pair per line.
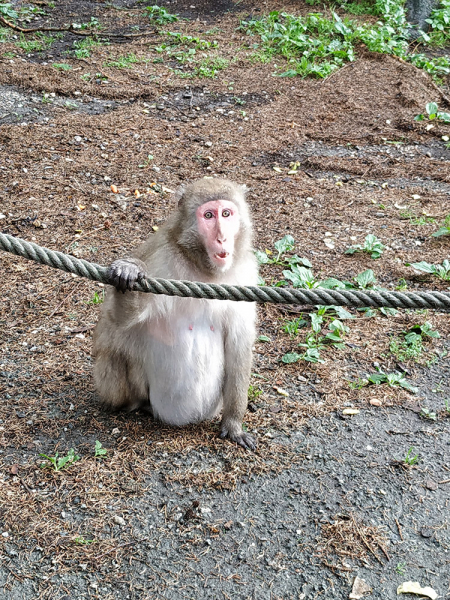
(178,195)
(244,189)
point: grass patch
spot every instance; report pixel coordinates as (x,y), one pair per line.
(61,66)
(208,67)
(124,62)
(83,48)
(439,22)
(38,43)
(160,15)
(316,45)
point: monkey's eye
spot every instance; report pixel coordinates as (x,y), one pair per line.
(208,215)
(226,213)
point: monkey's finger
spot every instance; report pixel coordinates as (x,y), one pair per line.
(245,440)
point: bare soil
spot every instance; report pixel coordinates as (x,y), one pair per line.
(170,513)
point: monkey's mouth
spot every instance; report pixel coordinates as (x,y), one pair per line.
(221,259)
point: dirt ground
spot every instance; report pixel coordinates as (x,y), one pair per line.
(177,513)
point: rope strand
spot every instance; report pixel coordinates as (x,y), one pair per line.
(213,291)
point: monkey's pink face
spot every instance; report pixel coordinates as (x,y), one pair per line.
(218,224)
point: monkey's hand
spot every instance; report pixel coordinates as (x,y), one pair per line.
(234,432)
(124,273)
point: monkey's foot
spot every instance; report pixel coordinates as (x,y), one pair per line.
(245,440)
(124,273)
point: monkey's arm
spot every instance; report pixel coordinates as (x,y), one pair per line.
(238,361)
(124,273)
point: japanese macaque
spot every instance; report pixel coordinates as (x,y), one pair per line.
(184,359)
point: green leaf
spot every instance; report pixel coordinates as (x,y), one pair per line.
(316,322)
(300,276)
(99,450)
(431,108)
(377,378)
(332,284)
(411,338)
(262,257)
(427,329)
(342,313)
(441,231)
(313,355)
(336,325)
(443,116)
(388,312)
(297,260)
(293,357)
(419,118)
(405,384)
(264,338)
(423,266)
(286,244)
(365,278)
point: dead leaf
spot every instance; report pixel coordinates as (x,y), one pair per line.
(413,587)
(14,469)
(360,589)
(431,485)
(281,391)
(375,402)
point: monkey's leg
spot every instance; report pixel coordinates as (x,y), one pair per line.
(238,362)
(120,381)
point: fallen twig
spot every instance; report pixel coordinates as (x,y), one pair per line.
(72,29)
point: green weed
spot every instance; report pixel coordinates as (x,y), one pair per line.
(82,541)
(99,451)
(253,393)
(208,67)
(160,15)
(37,44)
(292,327)
(315,45)
(97,298)
(428,414)
(433,112)
(372,246)
(392,380)
(412,345)
(83,48)
(414,219)
(439,22)
(315,342)
(444,230)
(7,11)
(441,271)
(57,463)
(411,458)
(124,62)
(61,66)
(94,23)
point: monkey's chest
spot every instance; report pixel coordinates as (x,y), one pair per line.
(185,368)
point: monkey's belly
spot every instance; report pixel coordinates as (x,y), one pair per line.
(185,373)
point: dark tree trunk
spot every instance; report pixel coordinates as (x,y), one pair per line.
(418,11)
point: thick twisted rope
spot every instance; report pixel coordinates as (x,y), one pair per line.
(211,291)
